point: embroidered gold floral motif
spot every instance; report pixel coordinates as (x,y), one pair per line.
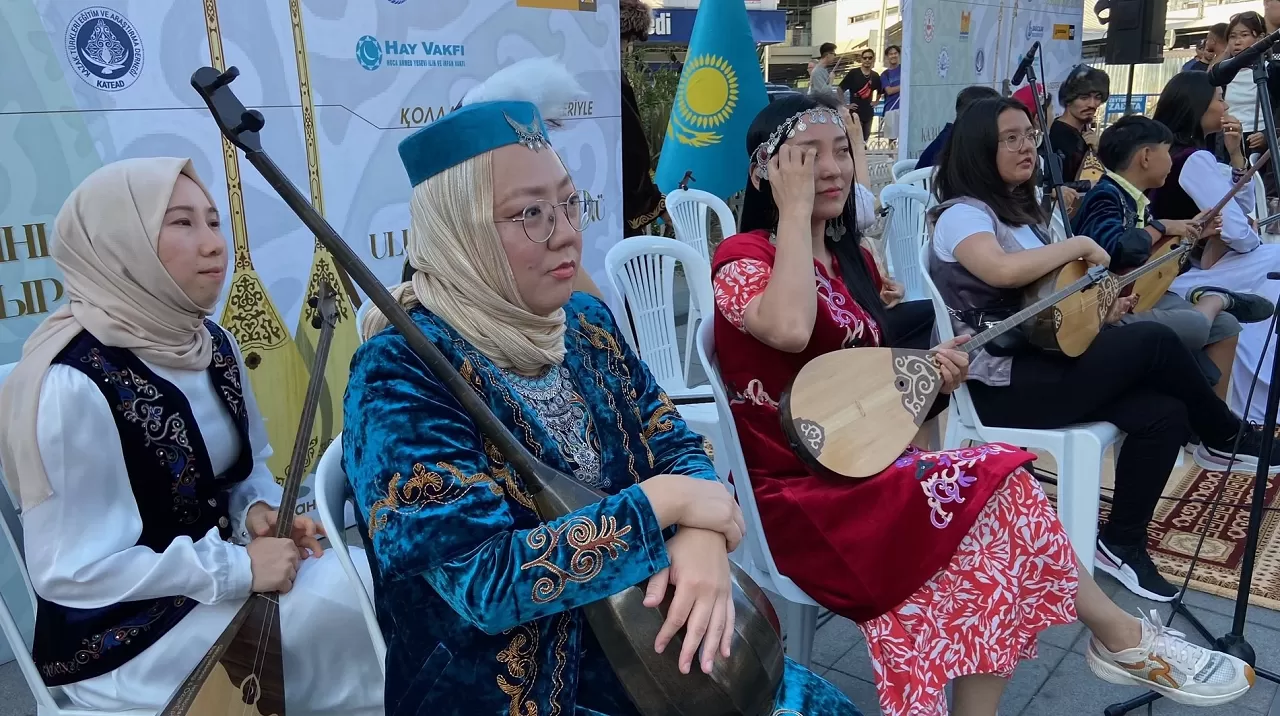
(589,543)
(601,339)
(425,488)
(659,422)
(522,667)
(468,372)
(562,658)
(502,474)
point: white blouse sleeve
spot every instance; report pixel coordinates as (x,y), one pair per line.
(261,485)
(1206,183)
(865,205)
(82,543)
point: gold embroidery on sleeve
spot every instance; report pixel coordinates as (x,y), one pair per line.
(562,658)
(601,339)
(659,422)
(590,543)
(520,658)
(502,473)
(425,488)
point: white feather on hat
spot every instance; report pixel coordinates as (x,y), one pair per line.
(543,81)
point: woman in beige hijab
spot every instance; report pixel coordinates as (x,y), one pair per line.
(139,456)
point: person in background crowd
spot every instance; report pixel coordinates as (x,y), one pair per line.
(863,86)
(642,202)
(1072,134)
(1116,214)
(1241,95)
(1210,47)
(820,76)
(891,80)
(966,97)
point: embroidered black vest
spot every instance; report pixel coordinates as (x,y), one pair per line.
(176,491)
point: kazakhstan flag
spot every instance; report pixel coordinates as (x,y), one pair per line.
(721,91)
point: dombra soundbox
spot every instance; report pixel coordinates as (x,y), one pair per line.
(743,684)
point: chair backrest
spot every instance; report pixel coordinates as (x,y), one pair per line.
(1057,230)
(922,178)
(17,597)
(904,230)
(902,167)
(961,406)
(642,270)
(754,544)
(331,501)
(688,211)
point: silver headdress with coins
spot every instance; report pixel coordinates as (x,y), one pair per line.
(797,122)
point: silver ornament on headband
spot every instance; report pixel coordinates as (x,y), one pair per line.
(530,135)
(797,122)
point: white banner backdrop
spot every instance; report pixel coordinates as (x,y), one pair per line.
(340,83)
(951,44)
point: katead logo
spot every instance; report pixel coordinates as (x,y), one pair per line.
(1035,31)
(373,54)
(104,48)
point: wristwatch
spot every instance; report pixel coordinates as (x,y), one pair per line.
(1155,224)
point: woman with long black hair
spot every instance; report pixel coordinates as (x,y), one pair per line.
(950,562)
(989,242)
(1235,264)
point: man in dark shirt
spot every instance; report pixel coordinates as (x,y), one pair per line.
(1082,94)
(967,96)
(861,88)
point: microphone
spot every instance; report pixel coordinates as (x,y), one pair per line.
(1222,73)
(1025,65)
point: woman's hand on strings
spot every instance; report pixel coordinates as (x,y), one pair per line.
(1091,252)
(791,178)
(274,561)
(1120,307)
(953,365)
(261,522)
(703,600)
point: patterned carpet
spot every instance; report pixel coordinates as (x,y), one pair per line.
(1176,529)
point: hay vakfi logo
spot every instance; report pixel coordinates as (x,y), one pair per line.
(373,55)
(104,48)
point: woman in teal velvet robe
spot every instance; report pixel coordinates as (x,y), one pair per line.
(478,598)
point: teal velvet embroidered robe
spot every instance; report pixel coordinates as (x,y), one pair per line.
(476,596)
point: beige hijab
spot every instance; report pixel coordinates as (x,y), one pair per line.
(105,243)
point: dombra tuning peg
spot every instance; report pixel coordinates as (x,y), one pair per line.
(251,121)
(225,78)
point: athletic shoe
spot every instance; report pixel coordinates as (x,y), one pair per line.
(1246,307)
(1217,456)
(1165,662)
(1132,567)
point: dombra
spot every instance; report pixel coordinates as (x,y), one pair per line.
(744,684)
(851,413)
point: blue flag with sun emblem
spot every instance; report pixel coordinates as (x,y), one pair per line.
(721,91)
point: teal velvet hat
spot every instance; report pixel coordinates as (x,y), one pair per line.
(508,108)
(470,132)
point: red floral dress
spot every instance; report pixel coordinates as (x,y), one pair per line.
(950,562)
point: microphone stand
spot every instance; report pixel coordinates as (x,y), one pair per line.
(1053,163)
(1234,642)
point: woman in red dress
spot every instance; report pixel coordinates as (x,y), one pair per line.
(950,562)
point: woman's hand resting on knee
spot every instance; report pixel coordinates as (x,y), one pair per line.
(691,502)
(703,599)
(953,365)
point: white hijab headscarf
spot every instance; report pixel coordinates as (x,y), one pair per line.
(105,243)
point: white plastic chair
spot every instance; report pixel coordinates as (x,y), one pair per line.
(922,178)
(688,210)
(1077,450)
(17,616)
(904,230)
(331,501)
(902,167)
(642,270)
(800,613)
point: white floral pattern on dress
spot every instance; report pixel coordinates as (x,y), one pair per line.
(1012,577)
(739,282)
(943,487)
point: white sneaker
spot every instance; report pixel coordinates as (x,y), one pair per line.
(1165,662)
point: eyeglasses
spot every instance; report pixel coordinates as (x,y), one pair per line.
(539,218)
(1015,142)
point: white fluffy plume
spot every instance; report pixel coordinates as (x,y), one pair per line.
(544,81)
